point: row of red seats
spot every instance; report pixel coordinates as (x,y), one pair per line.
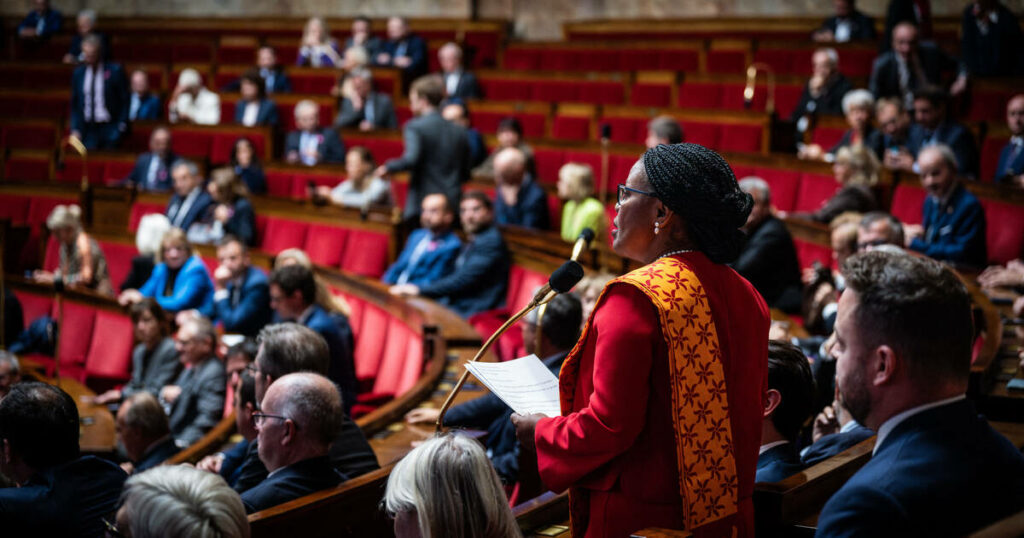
(522,284)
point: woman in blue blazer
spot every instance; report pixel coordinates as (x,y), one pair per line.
(179,281)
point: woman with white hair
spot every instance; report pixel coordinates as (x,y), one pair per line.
(151,230)
(318,48)
(82,263)
(581,209)
(858,107)
(191,102)
(446,487)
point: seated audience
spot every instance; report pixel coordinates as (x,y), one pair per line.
(403,49)
(559,330)
(903,352)
(661,130)
(287,348)
(318,48)
(154,359)
(858,106)
(300,416)
(509,135)
(822,285)
(60,492)
(241,293)
(856,170)
(179,501)
(361,106)
(150,233)
(362,36)
(190,201)
(229,213)
(152,171)
(275,80)
(81,262)
(1009,276)
(10,373)
(85,24)
(196,398)
(361,188)
(443,472)
(933,126)
(430,251)
(353,58)
(480,278)
(581,209)
(915,12)
(458,83)
(520,200)
(179,282)
(40,23)
(911,65)
(255,108)
(142,103)
(952,226)
(788,405)
(990,40)
(308,143)
(456,111)
(894,126)
(99,110)
(1010,168)
(143,431)
(824,91)
(293,297)
(228,463)
(191,102)
(247,166)
(848,24)
(879,228)
(768,257)
(834,431)
(324,298)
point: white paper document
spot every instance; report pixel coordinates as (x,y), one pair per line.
(525,384)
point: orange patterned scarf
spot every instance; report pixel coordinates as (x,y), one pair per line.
(703,433)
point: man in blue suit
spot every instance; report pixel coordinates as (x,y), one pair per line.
(241,292)
(299,418)
(143,104)
(520,201)
(952,227)
(60,493)
(1010,170)
(904,335)
(403,49)
(190,200)
(41,22)
(480,278)
(143,431)
(293,297)
(932,126)
(430,251)
(99,99)
(789,402)
(152,170)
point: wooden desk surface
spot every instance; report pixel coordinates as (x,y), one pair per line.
(97,432)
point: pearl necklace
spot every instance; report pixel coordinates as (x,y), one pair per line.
(674,252)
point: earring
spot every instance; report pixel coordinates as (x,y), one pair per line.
(657,228)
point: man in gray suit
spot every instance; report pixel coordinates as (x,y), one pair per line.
(436,150)
(195,402)
(362,107)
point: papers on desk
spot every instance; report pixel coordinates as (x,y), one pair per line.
(524,384)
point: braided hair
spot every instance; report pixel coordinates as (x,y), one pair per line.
(697,184)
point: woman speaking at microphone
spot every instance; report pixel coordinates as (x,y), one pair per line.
(661,397)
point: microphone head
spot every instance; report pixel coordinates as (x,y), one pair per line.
(587,235)
(566,276)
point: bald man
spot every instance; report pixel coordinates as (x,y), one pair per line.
(1010,170)
(520,201)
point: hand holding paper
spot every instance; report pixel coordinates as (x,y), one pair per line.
(524,384)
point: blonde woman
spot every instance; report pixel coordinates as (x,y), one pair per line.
(81,261)
(179,282)
(856,170)
(318,49)
(324,298)
(581,209)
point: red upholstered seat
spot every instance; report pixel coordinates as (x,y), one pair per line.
(649,94)
(703,95)
(487,121)
(527,59)
(139,210)
(325,244)
(301,181)
(116,170)
(373,335)
(190,143)
(1004,230)
(75,337)
(705,134)
(990,150)
(808,253)
(814,190)
(28,167)
(14,207)
(41,206)
(548,161)
(381,148)
(907,201)
(399,192)
(784,184)
(33,306)
(73,168)
(726,61)
(318,83)
(826,137)
(29,136)
(221,144)
(366,253)
(279,182)
(119,260)
(740,138)
(110,349)
(555,211)
(629,130)
(282,234)
(571,128)
(989,104)
(51,258)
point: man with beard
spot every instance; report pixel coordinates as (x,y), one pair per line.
(903,346)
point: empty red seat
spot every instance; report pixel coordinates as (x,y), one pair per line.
(814,191)
(30,136)
(139,210)
(33,306)
(110,349)
(399,192)
(907,201)
(279,182)
(119,260)
(51,257)
(373,334)
(116,170)
(366,253)
(317,82)
(571,128)
(14,208)
(726,61)
(73,170)
(1004,230)
(827,137)
(650,94)
(548,162)
(990,151)
(75,337)
(325,244)
(282,234)
(28,167)
(808,253)
(189,143)
(41,206)
(740,138)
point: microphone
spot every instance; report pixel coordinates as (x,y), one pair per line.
(560,281)
(582,242)
(748,90)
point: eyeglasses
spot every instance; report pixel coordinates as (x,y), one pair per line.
(259,418)
(622,193)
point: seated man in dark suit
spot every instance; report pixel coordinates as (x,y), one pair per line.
(152,170)
(143,431)
(287,348)
(41,22)
(299,417)
(520,201)
(196,399)
(824,91)
(834,431)
(99,99)
(894,130)
(480,278)
(241,292)
(362,107)
(559,330)
(403,49)
(293,297)
(848,24)
(903,351)
(430,250)
(309,144)
(85,24)
(789,402)
(143,104)
(1010,169)
(60,493)
(190,200)
(458,83)
(952,227)
(911,65)
(768,259)
(990,39)
(274,78)
(932,126)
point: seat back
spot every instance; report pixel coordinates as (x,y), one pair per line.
(281,234)
(907,201)
(110,350)
(325,244)
(1004,230)
(366,253)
